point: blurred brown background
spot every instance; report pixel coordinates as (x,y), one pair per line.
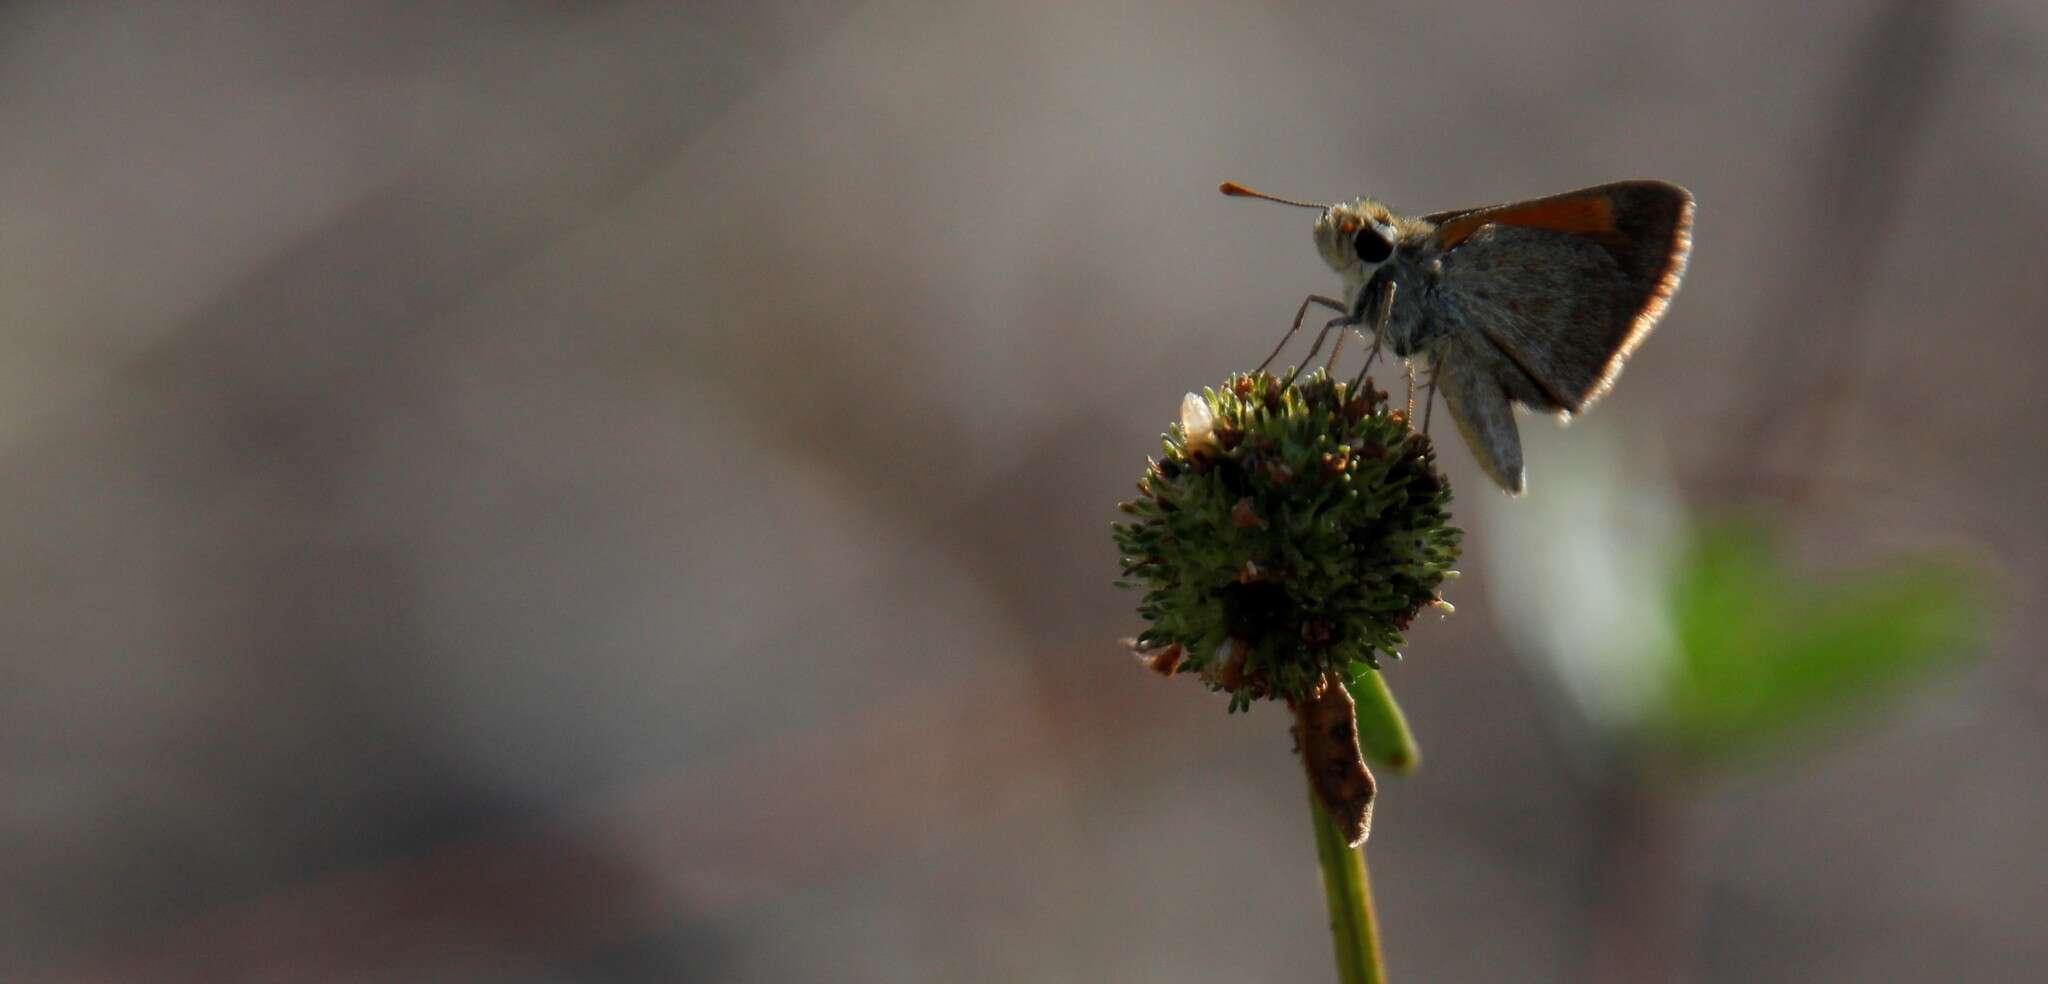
(619,491)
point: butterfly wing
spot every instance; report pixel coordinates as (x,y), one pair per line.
(1567,286)
(1468,371)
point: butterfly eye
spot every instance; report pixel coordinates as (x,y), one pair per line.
(1370,247)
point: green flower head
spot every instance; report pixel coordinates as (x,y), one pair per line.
(1289,532)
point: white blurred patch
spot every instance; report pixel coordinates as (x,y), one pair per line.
(1580,567)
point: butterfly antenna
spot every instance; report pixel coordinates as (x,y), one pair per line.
(1235,190)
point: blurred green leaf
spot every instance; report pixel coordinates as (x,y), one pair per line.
(1765,651)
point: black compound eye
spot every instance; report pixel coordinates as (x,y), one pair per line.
(1370,247)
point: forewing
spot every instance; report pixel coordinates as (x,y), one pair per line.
(1568,286)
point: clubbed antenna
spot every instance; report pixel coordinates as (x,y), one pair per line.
(1235,190)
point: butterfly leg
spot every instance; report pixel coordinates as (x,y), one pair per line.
(1429,403)
(1328,326)
(1302,312)
(1379,333)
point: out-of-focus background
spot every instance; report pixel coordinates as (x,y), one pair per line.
(620,491)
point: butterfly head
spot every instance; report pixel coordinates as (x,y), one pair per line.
(1355,237)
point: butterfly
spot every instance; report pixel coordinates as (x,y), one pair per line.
(1534,303)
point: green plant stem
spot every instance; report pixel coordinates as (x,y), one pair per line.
(1353,929)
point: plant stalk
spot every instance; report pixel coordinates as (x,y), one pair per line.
(1353,929)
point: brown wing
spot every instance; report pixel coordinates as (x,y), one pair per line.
(1568,329)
